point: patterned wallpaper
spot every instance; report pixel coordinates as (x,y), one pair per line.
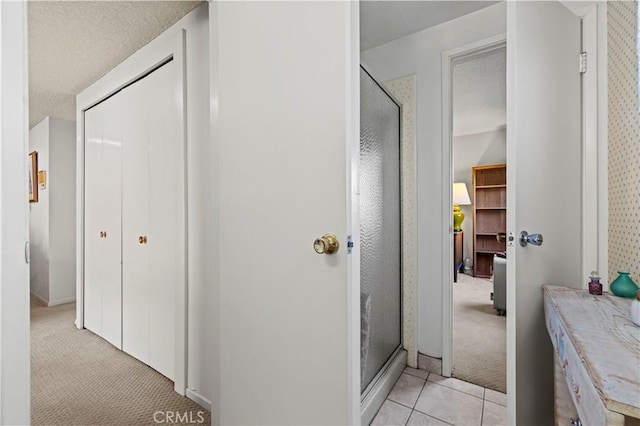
(624,139)
(404,90)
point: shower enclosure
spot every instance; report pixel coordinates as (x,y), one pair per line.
(380,233)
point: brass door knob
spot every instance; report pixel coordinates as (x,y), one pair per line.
(144,239)
(327,244)
(141,239)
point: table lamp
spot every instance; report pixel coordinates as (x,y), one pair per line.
(460,197)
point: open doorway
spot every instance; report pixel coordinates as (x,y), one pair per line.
(478,107)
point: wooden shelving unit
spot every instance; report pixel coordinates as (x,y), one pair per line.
(489,215)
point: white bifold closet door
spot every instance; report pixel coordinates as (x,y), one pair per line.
(102,295)
(152,218)
(135,218)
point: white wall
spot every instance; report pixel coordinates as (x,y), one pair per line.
(420,53)
(52,224)
(39,216)
(61,184)
(200,214)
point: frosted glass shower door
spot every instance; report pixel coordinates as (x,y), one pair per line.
(379,227)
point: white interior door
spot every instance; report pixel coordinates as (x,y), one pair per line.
(111,215)
(136,295)
(166,216)
(544,181)
(285,104)
(93,224)
(153,218)
(102,295)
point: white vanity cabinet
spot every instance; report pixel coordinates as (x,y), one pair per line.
(597,357)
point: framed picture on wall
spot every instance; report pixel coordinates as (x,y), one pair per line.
(33,177)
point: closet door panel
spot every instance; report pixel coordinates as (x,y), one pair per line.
(93,242)
(166,219)
(111,196)
(135,220)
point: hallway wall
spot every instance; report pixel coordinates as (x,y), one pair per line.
(52,220)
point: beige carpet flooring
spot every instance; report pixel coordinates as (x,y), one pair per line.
(77,378)
(479,335)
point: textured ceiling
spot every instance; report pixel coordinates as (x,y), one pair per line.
(74,43)
(480,93)
(385,21)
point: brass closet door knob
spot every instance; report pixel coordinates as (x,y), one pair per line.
(141,239)
(327,244)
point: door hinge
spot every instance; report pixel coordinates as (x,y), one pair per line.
(583,62)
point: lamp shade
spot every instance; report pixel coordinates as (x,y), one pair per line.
(460,194)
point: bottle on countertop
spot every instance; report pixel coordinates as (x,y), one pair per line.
(635,309)
(623,286)
(595,286)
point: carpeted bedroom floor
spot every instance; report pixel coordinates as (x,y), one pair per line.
(479,335)
(77,378)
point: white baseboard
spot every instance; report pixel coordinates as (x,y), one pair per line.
(41,299)
(54,302)
(61,301)
(199,399)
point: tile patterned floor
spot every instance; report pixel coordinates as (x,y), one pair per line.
(424,399)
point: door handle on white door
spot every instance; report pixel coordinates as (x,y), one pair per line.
(327,244)
(534,239)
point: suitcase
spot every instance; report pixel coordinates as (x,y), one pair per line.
(500,283)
